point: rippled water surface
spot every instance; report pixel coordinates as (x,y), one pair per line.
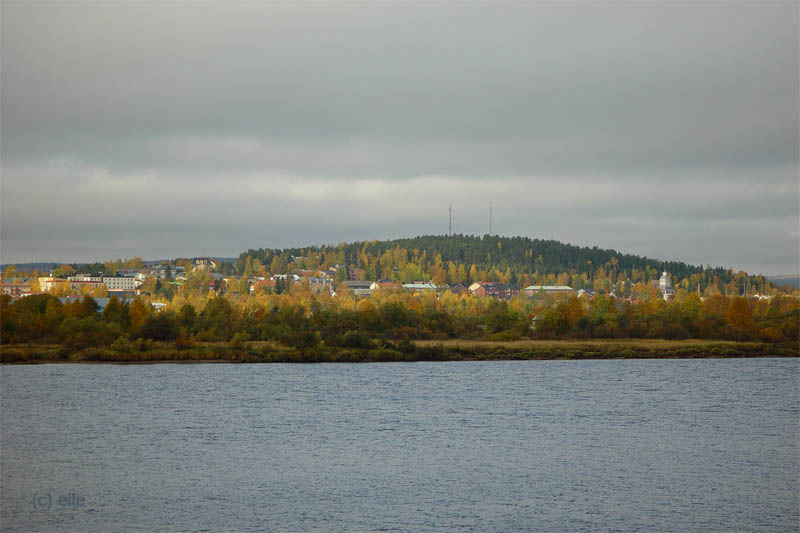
(647,445)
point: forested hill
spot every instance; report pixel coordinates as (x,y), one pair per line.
(522,260)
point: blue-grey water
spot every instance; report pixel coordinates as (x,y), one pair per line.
(634,445)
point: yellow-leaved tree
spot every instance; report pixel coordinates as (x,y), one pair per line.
(739,314)
(139,313)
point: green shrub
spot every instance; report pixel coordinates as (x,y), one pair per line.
(238,340)
(771,334)
(123,345)
(142,345)
(356,339)
(183,342)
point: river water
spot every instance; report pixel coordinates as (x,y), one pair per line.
(623,445)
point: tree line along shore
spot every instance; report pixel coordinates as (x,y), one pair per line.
(394,327)
(265,307)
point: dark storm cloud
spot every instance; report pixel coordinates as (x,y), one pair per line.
(297,124)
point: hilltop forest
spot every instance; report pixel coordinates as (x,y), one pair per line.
(465,259)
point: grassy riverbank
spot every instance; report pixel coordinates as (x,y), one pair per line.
(449,350)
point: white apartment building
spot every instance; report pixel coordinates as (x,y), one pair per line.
(120,283)
(86,277)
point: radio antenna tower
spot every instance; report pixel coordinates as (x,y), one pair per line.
(450,226)
(490,217)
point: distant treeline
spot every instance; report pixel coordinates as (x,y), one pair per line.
(785,281)
(310,322)
(29,267)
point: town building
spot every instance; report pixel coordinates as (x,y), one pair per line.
(332,270)
(500,291)
(665,286)
(455,288)
(385,284)
(534,290)
(261,285)
(85,283)
(419,286)
(120,283)
(160,271)
(16,289)
(49,283)
(318,285)
(254,282)
(285,277)
(359,288)
(132,272)
(87,278)
(85,286)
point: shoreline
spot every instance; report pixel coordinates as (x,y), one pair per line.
(370,362)
(414,351)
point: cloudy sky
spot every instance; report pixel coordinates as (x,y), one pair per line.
(162,130)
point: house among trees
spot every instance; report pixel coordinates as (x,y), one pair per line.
(534,290)
(385,284)
(333,269)
(419,286)
(454,288)
(499,291)
(50,283)
(15,288)
(167,271)
(285,277)
(588,294)
(318,285)
(359,288)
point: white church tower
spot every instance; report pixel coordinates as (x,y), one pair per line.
(665,285)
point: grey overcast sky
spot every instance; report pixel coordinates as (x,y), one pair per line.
(176,129)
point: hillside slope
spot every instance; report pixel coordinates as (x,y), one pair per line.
(515,259)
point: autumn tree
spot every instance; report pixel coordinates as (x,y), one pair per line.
(10,272)
(64,270)
(739,314)
(139,312)
(569,312)
(118,312)
(149,285)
